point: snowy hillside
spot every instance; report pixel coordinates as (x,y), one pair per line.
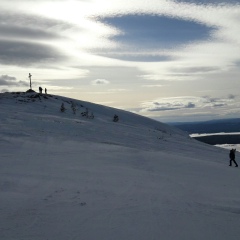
(77,174)
(40,115)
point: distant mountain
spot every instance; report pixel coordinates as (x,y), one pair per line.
(213,126)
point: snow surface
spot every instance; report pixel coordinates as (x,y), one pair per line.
(65,176)
(229,146)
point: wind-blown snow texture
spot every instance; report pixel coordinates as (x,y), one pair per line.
(66,176)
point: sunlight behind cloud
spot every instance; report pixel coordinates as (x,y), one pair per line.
(162,40)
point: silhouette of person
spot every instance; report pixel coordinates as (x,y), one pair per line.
(45,91)
(232,157)
(40,90)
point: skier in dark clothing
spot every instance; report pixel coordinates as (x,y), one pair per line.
(232,157)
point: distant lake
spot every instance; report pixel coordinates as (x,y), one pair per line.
(213,134)
(224,140)
(218,138)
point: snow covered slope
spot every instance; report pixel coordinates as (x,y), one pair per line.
(65,175)
(40,115)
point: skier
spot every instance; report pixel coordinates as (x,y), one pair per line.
(232,157)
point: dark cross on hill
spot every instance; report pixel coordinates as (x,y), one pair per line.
(30,75)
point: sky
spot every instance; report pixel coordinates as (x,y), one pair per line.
(164,59)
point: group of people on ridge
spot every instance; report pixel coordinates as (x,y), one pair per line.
(40,90)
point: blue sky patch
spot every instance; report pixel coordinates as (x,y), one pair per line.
(156,32)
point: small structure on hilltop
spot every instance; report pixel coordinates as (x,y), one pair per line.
(30,78)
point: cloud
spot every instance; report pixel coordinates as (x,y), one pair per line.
(130,43)
(152,86)
(131,32)
(118,90)
(231,96)
(31,27)
(58,88)
(195,69)
(134,55)
(177,103)
(104,72)
(32,39)
(25,54)
(217,2)
(25,33)
(6,80)
(4,90)
(100,82)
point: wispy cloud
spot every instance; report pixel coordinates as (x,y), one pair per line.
(6,80)
(117,90)
(152,86)
(175,103)
(162,30)
(100,82)
(210,1)
(25,54)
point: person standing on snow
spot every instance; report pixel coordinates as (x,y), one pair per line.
(232,157)
(40,90)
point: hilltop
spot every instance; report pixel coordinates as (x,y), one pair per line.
(40,114)
(77,174)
